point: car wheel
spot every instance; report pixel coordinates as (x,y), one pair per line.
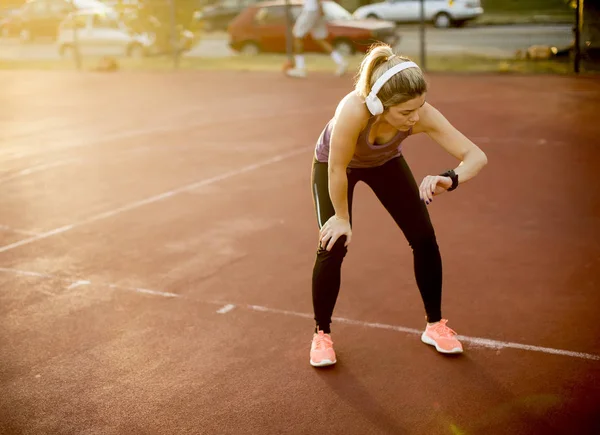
(136,51)
(373,16)
(250,49)
(442,20)
(345,48)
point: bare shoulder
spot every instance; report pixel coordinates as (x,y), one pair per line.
(351,117)
(352,111)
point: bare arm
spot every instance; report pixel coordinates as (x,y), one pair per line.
(472,158)
(351,117)
(349,123)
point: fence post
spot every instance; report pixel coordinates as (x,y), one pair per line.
(422,38)
(175,40)
(577,29)
(288,33)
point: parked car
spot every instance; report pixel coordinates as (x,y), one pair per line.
(100,34)
(9,23)
(262,27)
(217,16)
(442,13)
(41,18)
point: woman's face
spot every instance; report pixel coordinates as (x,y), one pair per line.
(404,116)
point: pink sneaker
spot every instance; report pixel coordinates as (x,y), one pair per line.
(321,350)
(442,337)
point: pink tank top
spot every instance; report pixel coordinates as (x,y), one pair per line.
(366,155)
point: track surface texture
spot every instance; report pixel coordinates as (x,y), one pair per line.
(157,237)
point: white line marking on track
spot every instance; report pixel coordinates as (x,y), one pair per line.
(43,167)
(225,309)
(111,137)
(482,342)
(155,198)
(77,284)
(17,231)
(35,238)
(34,274)
(151,292)
(50,165)
(143,290)
(37,168)
(475,341)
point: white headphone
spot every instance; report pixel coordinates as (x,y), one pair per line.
(373,102)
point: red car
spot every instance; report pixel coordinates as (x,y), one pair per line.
(261,28)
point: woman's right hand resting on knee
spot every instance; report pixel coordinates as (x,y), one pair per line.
(333,229)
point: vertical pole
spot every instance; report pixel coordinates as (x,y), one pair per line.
(174,36)
(422,38)
(76,45)
(77,53)
(577,58)
(288,33)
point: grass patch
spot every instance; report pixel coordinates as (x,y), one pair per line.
(526,11)
(314,62)
(535,18)
(525,6)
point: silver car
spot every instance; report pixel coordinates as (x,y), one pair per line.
(100,34)
(442,13)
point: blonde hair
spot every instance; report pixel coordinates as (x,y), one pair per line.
(406,85)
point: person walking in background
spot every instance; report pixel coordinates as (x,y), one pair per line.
(312,20)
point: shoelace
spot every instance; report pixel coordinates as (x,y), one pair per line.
(443,330)
(322,342)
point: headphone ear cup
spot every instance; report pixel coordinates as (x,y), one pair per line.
(374,105)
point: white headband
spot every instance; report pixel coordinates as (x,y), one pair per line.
(373,102)
(389,74)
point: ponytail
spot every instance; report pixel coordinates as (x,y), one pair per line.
(376,56)
(404,86)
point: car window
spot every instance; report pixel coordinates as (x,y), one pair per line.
(58,7)
(35,7)
(102,22)
(235,3)
(70,21)
(334,11)
(270,15)
(276,14)
(88,4)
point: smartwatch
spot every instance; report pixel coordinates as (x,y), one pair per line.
(450,173)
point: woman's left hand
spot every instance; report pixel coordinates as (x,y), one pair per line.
(433,185)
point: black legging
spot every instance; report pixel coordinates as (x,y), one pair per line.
(395,186)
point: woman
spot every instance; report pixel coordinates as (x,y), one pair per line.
(363,143)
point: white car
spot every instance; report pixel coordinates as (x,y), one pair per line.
(443,13)
(100,34)
(90,5)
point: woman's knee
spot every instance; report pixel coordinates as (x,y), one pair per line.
(425,242)
(337,252)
